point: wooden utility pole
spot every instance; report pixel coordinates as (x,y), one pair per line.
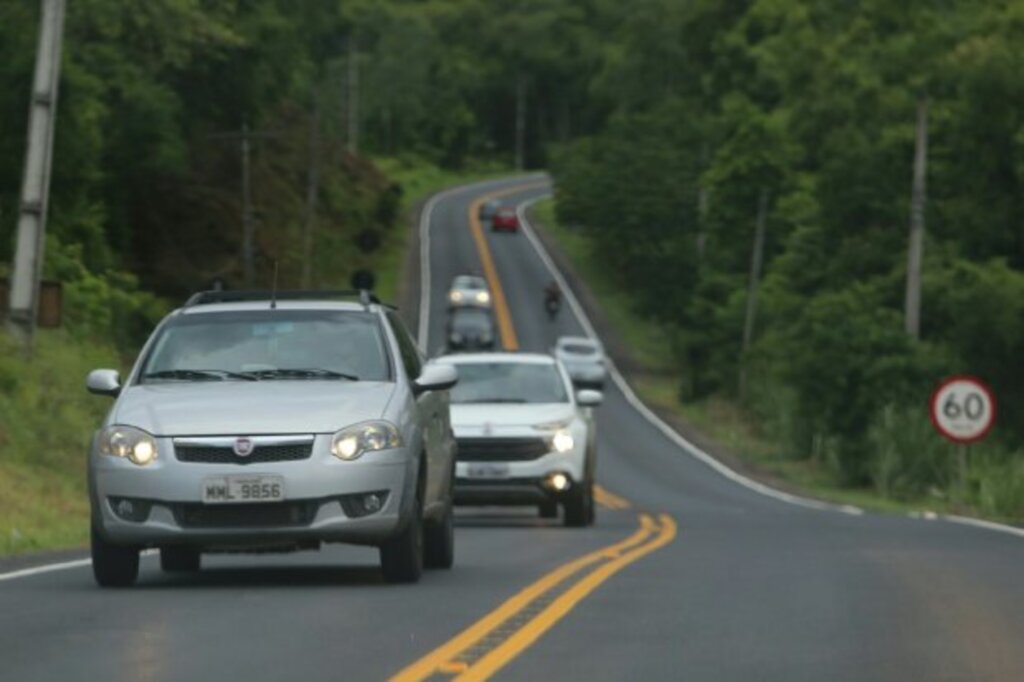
(312,191)
(352,91)
(915,251)
(35,185)
(756,260)
(520,121)
(248,253)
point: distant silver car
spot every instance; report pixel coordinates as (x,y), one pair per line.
(256,425)
(469,290)
(524,436)
(583,357)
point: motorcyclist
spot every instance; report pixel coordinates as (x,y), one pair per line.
(552,297)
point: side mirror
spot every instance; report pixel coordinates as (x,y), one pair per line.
(104,382)
(589,398)
(435,378)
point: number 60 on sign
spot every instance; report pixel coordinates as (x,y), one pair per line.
(963,409)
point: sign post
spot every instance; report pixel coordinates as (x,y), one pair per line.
(963,410)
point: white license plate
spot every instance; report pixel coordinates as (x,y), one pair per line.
(487,470)
(228,489)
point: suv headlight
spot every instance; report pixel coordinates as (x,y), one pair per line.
(351,443)
(133,444)
(562,441)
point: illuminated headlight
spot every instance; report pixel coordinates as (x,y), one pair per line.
(563,441)
(133,444)
(483,297)
(353,442)
(455,297)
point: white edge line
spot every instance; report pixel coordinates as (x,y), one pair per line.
(646,412)
(60,566)
(695,451)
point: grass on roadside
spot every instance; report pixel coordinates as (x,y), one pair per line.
(720,420)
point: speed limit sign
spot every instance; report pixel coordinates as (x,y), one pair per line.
(963,409)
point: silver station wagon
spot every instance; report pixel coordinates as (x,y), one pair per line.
(260,422)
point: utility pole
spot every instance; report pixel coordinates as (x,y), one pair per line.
(35,186)
(248,218)
(755,279)
(352,88)
(312,191)
(912,311)
(520,120)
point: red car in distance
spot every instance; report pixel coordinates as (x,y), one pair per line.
(505,219)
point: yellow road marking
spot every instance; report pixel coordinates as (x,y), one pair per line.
(498,657)
(499,304)
(449,652)
(609,499)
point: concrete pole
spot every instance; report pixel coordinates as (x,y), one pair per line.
(756,260)
(520,121)
(353,95)
(915,251)
(248,226)
(35,189)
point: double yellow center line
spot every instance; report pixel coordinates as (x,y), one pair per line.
(488,645)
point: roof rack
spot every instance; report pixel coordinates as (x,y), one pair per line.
(232,296)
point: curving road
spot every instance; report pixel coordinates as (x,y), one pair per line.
(688,575)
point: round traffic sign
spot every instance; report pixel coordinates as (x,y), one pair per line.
(963,409)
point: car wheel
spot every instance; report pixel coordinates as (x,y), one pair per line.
(439,543)
(179,559)
(113,565)
(401,557)
(548,509)
(579,507)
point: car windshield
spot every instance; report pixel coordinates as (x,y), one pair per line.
(468,283)
(578,349)
(508,382)
(271,344)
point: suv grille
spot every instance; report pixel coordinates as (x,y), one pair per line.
(279,514)
(213,454)
(501,449)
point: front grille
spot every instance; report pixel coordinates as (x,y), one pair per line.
(267,515)
(213,454)
(501,449)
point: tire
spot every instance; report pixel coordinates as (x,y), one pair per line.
(179,559)
(439,541)
(113,565)
(548,509)
(401,557)
(579,507)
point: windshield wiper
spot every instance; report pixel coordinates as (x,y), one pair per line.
(301,373)
(198,375)
(492,400)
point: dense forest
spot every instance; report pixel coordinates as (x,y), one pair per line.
(668,126)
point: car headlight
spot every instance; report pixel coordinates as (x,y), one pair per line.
(455,296)
(353,442)
(563,441)
(135,445)
(483,297)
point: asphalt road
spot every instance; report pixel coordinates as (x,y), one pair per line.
(700,578)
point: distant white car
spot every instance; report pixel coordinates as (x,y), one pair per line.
(524,436)
(583,357)
(469,290)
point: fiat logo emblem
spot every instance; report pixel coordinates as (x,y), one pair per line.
(243,447)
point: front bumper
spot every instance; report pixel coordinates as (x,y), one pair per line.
(526,483)
(167,507)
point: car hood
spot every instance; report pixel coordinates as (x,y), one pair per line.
(496,418)
(250,408)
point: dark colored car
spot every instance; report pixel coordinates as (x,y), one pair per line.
(505,219)
(470,329)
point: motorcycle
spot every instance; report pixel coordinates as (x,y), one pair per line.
(552,304)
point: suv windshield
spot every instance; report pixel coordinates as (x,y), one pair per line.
(471,320)
(508,382)
(578,349)
(271,344)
